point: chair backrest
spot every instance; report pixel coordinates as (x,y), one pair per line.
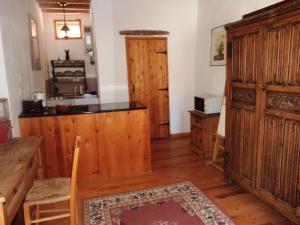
(73,198)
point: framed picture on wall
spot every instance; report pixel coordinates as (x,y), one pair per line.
(218,51)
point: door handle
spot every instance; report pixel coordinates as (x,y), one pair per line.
(164,124)
(132,88)
(162,52)
(163,89)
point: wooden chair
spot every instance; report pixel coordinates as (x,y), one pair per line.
(219,145)
(53,190)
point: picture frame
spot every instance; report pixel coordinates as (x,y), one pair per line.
(34,44)
(218,53)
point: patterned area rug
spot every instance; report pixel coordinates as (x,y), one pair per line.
(177,204)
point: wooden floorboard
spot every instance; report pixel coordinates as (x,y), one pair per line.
(173,161)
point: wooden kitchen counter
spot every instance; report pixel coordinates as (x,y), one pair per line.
(115,140)
(18,167)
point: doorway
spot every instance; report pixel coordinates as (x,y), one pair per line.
(147,62)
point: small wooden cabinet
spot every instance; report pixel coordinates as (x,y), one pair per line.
(203,130)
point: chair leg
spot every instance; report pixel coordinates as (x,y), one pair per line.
(37,213)
(26,208)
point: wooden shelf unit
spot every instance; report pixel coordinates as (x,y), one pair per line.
(58,77)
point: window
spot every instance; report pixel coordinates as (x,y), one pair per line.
(73,33)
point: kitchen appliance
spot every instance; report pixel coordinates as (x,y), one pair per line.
(30,106)
(208,104)
(37,96)
(5,123)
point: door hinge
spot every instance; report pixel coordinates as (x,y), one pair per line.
(163,89)
(131,88)
(162,52)
(164,124)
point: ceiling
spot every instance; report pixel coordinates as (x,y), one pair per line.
(72,6)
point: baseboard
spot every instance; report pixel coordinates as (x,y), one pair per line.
(181,135)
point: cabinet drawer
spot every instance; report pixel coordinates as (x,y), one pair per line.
(196,121)
(32,170)
(15,198)
(18,192)
(197,136)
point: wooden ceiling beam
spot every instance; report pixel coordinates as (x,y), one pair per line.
(66,1)
(59,11)
(68,7)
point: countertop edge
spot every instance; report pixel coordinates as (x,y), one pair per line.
(45,114)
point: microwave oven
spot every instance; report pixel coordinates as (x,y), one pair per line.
(208,104)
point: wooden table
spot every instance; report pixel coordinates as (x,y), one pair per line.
(19,162)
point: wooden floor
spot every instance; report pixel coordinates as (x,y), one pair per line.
(173,161)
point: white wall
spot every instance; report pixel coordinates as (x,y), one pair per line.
(20,80)
(56,48)
(3,79)
(176,16)
(214,13)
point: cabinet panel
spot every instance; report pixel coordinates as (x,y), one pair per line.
(196,121)
(282,54)
(278,165)
(242,151)
(244,74)
(270,160)
(280,159)
(84,126)
(114,144)
(290,162)
(196,137)
(246,56)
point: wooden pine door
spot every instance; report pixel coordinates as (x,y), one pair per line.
(244,61)
(279,137)
(147,61)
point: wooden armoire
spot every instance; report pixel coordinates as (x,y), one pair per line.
(263,106)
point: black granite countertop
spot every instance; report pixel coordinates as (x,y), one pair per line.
(88,109)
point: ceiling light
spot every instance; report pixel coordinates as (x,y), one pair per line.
(65,27)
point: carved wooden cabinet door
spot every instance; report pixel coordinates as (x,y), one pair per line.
(244,62)
(279,137)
